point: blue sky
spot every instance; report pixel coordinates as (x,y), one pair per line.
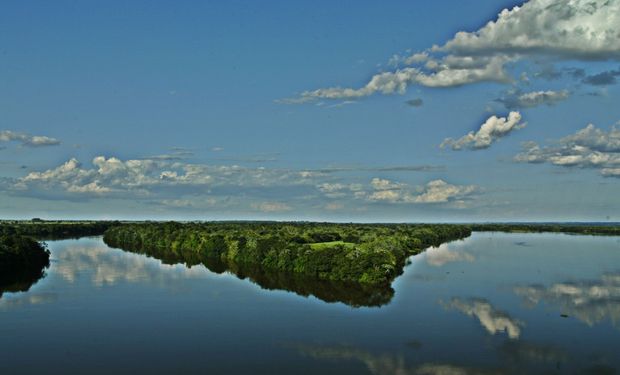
(355,111)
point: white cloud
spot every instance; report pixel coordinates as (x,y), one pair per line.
(180,185)
(575,29)
(27,139)
(151,177)
(610,172)
(589,147)
(493,129)
(388,191)
(439,191)
(492,319)
(445,74)
(383,184)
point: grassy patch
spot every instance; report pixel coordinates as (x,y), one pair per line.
(323,245)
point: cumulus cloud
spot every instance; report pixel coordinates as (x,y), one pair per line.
(590,301)
(150,178)
(579,29)
(175,184)
(381,190)
(517,100)
(576,29)
(587,148)
(493,129)
(439,191)
(492,319)
(27,140)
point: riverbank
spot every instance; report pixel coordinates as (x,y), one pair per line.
(22,261)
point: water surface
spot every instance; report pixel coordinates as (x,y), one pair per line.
(493,303)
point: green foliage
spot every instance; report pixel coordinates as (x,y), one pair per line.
(321,245)
(322,251)
(22,260)
(41,229)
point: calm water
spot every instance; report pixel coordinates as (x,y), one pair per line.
(493,303)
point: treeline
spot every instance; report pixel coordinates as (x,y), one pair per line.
(576,228)
(369,254)
(52,230)
(22,261)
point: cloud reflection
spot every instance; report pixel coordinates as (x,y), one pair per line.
(520,352)
(589,301)
(388,364)
(105,266)
(441,255)
(492,319)
(14,300)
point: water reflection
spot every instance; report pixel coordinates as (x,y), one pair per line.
(491,318)
(446,253)
(108,267)
(22,281)
(352,294)
(509,357)
(590,301)
(22,300)
(520,353)
(389,364)
(177,315)
(355,295)
(105,266)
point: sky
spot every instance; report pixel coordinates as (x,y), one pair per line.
(365,111)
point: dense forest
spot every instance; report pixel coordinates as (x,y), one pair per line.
(369,254)
(53,230)
(22,260)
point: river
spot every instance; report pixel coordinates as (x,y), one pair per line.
(492,303)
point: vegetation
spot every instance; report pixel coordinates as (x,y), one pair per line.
(22,261)
(363,254)
(49,230)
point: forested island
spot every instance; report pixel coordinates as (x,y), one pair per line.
(350,263)
(367,254)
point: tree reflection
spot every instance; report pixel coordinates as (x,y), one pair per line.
(13,282)
(352,294)
(107,267)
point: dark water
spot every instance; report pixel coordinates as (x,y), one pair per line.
(494,303)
